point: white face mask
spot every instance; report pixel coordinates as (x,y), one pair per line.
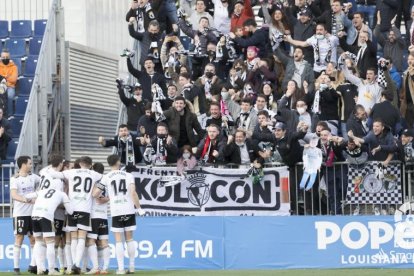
(224,95)
(239,144)
(301,110)
(323,86)
(320,37)
(186,155)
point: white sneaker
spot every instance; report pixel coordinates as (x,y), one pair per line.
(131,270)
(68,271)
(92,272)
(120,272)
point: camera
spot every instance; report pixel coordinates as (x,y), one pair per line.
(122,85)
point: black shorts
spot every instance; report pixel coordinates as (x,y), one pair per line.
(79,220)
(99,229)
(123,223)
(43,227)
(59,227)
(23,225)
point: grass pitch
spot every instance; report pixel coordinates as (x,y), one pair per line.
(315,272)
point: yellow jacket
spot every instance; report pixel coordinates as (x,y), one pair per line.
(9,71)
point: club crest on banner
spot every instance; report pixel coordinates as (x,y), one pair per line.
(199,191)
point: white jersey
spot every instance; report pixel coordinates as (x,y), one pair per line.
(24,185)
(48,200)
(81,183)
(100,210)
(48,182)
(117,184)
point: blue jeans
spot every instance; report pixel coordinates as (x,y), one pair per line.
(369,12)
(171,10)
(344,133)
(11,93)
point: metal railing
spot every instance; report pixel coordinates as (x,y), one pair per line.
(24,9)
(7,170)
(34,131)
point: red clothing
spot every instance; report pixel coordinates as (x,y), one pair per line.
(237,21)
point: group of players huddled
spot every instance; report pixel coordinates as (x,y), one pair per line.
(64,211)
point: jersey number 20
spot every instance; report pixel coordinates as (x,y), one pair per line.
(87,185)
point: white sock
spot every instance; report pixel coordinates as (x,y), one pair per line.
(16,256)
(73,245)
(131,246)
(42,257)
(80,250)
(85,259)
(93,255)
(100,257)
(60,257)
(32,257)
(106,258)
(50,253)
(68,256)
(119,249)
(37,252)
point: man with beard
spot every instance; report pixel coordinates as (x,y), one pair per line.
(407,93)
(135,106)
(256,37)
(126,144)
(210,85)
(394,45)
(357,122)
(147,124)
(184,123)
(297,68)
(161,149)
(303,29)
(210,149)
(324,48)
(151,42)
(358,26)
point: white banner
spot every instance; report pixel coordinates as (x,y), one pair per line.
(214,192)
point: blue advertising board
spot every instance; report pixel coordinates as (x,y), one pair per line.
(259,242)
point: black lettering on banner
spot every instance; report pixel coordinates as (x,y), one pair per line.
(154,192)
(140,185)
(213,191)
(50,193)
(177,194)
(262,192)
(247,191)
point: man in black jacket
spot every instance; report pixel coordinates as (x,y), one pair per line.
(287,144)
(147,78)
(5,135)
(258,37)
(184,123)
(357,122)
(386,112)
(239,149)
(304,29)
(151,42)
(142,13)
(135,106)
(126,144)
(162,148)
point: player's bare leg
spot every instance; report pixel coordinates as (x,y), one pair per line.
(103,247)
